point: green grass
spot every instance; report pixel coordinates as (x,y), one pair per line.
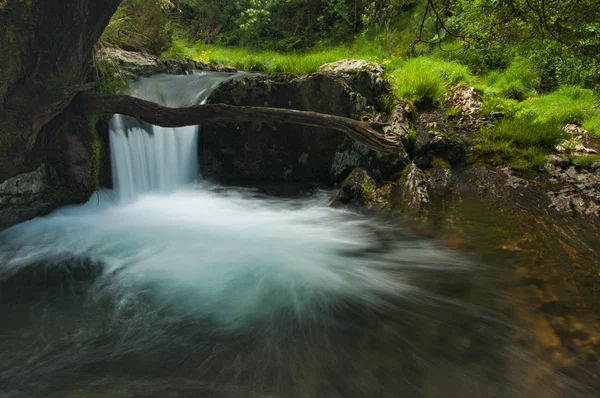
(522,143)
(519,81)
(593,125)
(271,61)
(426,80)
(506,107)
(585,161)
(569,104)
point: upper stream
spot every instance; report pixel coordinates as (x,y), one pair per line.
(169,286)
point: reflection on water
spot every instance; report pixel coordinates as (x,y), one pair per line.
(223,292)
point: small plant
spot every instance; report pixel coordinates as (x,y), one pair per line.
(203,57)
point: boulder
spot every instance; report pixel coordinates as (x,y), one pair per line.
(357,189)
(255,151)
(412,191)
(24,196)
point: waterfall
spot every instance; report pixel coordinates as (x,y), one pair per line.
(147,158)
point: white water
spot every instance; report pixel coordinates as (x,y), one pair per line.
(229,256)
(148,158)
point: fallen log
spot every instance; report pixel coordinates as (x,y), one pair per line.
(369,134)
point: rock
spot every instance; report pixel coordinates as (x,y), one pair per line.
(578,190)
(366,77)
(466,99)
(430,144)
(254,151)
(351,66)
(411,192)
(399,123)
(130,64)
(79,161)
(576,144)
(513,181)
(31,183)
(24,196)
(357,189)
(440,176)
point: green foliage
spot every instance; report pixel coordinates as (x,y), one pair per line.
(519,81)
(140,25)
(523,143)
(425,80)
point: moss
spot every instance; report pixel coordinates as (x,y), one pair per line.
(440,163)
(453,112)
(400,178)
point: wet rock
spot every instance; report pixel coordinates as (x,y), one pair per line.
(440,176)
(357,189)
(25,184)
(24,196)
(431,143)
(412,191)
(79,161)
(513,181)
(578,190)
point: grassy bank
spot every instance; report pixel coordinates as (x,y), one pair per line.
(530,121)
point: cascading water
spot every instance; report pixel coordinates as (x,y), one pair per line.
(212,292)
(148,158)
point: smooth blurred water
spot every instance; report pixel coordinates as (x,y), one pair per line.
(224,292)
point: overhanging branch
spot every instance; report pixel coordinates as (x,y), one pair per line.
(369,134)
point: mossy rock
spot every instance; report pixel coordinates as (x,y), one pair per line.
(358,189)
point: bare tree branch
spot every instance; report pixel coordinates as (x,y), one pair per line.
(369,134)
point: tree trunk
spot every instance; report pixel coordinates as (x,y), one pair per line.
(46,49)
(367,133)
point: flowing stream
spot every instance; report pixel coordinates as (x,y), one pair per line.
(173,287)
